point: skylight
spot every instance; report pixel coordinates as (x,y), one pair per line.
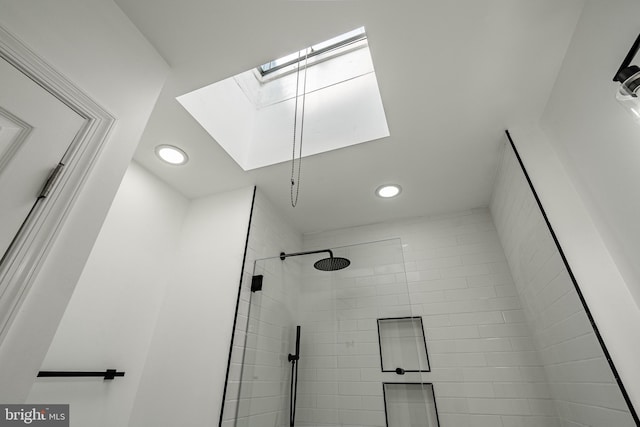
(318,49)
(251,114)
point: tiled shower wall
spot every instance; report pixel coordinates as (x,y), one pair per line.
(483,330)
(270,235)
(340,373)
(264,391)
(484,364)
(580,379)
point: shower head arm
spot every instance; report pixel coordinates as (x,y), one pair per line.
(283,255)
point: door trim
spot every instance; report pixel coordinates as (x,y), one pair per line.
(22,261)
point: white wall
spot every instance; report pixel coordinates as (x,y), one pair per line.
(97,47)
(112,314)
(485,368)
(596,138)
(579,376)
(605,290)
(583,161)
(156,299)
(184,373)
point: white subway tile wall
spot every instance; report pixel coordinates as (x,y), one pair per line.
(340,356)
(485,367)
(263,399)
(581,382)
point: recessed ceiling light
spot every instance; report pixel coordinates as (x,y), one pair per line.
(388,190)
(172,155)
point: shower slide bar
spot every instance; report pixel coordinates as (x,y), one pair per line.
(293,395)
(109,374)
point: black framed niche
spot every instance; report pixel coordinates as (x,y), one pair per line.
(410,405)
(403,346)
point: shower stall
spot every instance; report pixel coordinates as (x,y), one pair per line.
(448,324)
(331,340)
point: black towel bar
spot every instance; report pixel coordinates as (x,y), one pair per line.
(109,374)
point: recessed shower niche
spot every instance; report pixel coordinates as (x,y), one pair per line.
(399,339)
(410,405)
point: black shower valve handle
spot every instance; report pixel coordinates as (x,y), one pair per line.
(399,371)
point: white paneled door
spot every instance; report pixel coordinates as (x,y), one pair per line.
(36,129)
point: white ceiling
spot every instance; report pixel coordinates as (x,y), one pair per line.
(453,75)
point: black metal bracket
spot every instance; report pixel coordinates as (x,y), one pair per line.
(296,357)
(256,283)
(626,70)
(109,374)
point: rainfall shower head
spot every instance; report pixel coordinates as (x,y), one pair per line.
(327,264)
(332,264)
